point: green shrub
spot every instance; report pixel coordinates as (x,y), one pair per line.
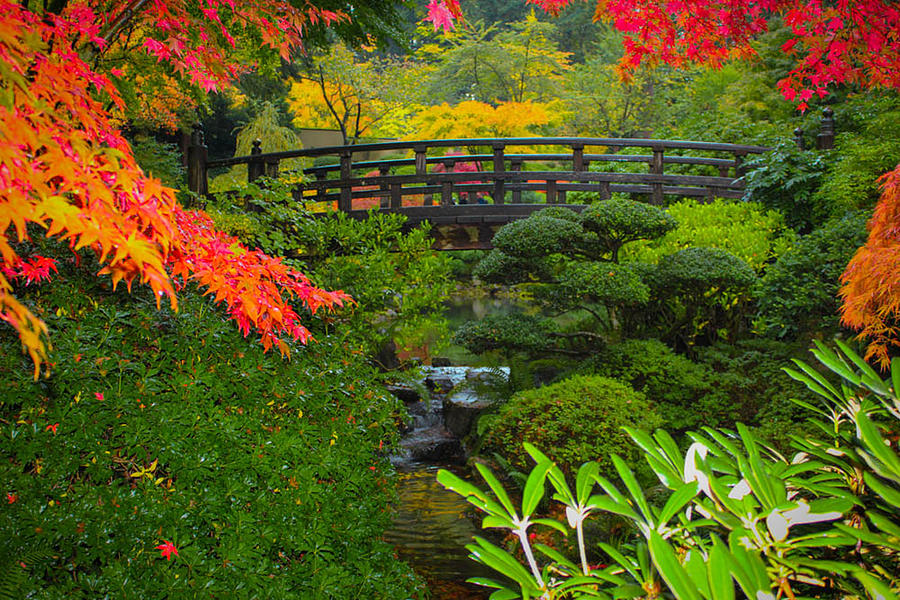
(787,179)
(159,159)
(799,293)
(747,376)
(696,270)
(269,476)
(745,229)
(577,420)
(506,333)
(537,236)
(862,155)
(677,386)
(618,222)
(499,267)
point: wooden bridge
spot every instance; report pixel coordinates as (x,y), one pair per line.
(468,188)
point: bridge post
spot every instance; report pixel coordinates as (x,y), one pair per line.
(656,168)
(271,167)
(345,203)
(255,166)
(197,156)
(825,139)
(578,157)
(515,165)
(320,191)
(798,139)
(499,168)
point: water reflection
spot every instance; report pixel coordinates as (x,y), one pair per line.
(430,530)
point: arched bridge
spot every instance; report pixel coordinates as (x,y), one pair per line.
(468,188)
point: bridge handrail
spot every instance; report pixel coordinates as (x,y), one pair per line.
(588,158)
(424,145)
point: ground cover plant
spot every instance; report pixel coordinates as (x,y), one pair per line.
(168,457)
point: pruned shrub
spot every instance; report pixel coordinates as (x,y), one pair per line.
(579,419)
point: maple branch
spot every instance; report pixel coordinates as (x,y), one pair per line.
(121,20)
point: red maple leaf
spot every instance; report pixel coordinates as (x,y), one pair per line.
(167,549)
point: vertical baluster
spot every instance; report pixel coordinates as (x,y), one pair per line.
(515,165)
(551,191)
(447,186)
(272,168)
(798,139)
(320,190)
(499,169)
(656,168)
(345,203)
(384,198)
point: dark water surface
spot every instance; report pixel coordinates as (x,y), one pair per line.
(431,527)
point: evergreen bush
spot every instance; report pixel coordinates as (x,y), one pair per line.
(577,419)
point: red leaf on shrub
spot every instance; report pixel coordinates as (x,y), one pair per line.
(167,549)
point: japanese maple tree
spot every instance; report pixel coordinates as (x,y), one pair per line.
(67,172)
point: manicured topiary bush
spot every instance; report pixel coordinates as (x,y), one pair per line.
(619,221)
(506,333)
(167,457)
(579,419)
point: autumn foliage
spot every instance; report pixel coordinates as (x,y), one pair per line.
(871,283)
(845,41)
(66,170)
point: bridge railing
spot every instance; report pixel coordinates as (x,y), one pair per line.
(502,167)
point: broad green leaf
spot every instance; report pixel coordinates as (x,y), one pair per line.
(876,588)
(552,524)
(498,490)
(584,481)
(557,557)
(504,594)
(835,363)
(669,447)
(721,586)
(870,378)
(895,376)
(870,537)
(621,560)
(634,487)
(609,505)
(501,561)
(884,524)
(696,568)
(458,485)
(497,521)
(486,582)
(875,444)
(534,488)
(676,501)
(814,383)
(671,570)
(754,578)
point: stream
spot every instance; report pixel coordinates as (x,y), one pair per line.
(431,525)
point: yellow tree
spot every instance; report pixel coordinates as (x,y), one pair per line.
(360,94)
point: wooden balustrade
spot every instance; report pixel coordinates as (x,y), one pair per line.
(571,167)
